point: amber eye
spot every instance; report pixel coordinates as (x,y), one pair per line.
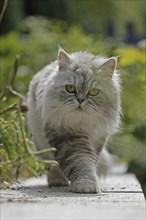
(93,91)
(70,88)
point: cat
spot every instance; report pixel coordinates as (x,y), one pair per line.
(74,106)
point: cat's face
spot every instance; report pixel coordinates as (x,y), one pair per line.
(81,94)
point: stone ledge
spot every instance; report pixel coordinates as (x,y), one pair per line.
(121,198)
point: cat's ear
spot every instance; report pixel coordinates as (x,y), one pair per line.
(110,65)
(63,60)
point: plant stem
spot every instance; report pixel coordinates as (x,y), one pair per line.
(41,152)
(12,76)
(3,9)
(13,71)
(22,131)
(8,109)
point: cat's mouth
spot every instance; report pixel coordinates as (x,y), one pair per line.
(80,108)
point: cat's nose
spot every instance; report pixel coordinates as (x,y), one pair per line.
(80,100)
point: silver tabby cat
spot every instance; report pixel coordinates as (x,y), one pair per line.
(74,106)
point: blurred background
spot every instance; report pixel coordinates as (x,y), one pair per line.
(34,28)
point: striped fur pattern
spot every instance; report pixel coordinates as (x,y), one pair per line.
(79,130)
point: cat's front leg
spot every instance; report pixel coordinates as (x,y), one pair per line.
(82,173)
(85,181)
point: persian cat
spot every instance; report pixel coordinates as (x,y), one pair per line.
(74,106)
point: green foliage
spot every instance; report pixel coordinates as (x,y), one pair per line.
(129,144)
(36,42)
(17,156)
(95,15)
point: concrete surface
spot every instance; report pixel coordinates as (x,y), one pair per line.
(121,198)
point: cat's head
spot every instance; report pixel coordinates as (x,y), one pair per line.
(84,90)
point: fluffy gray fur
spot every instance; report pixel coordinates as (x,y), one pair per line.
(77,124)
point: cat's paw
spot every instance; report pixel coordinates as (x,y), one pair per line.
(85,186)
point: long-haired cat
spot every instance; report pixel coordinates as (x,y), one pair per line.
(74,106)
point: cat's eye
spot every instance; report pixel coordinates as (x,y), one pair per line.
(93,91)
(70,88)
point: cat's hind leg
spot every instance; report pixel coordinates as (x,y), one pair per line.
(105,163)
(56,177)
